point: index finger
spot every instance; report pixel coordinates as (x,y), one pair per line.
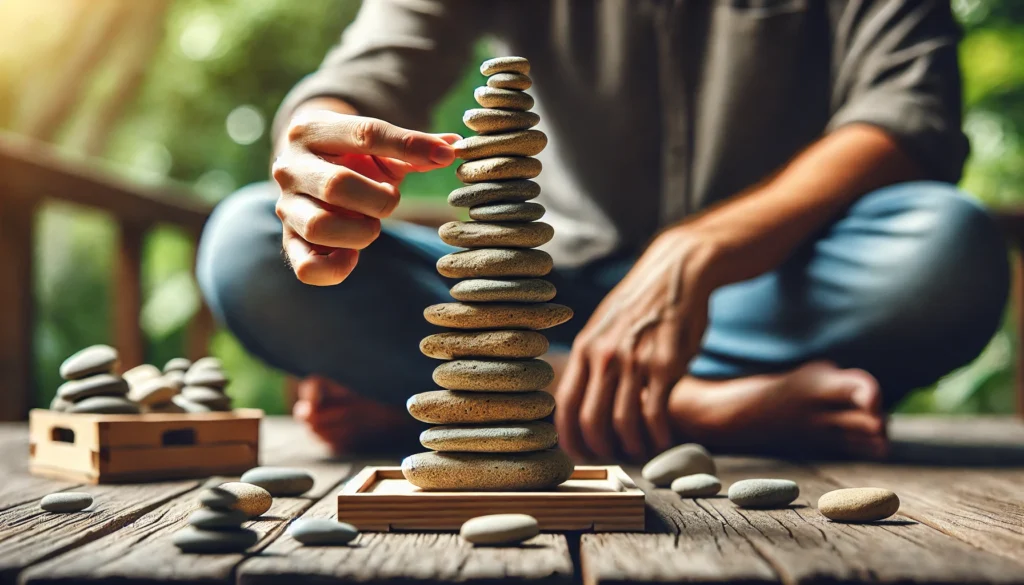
(345,134)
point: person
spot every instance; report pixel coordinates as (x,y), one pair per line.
(754,206)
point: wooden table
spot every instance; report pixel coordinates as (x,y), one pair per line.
(962,520)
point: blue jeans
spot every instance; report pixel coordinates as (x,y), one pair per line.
(908,285)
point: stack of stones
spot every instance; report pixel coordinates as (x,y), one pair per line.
(491,436)
(152,390)
(204,384)
(91,385)
(217,526)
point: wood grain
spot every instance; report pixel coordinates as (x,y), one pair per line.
(17,486)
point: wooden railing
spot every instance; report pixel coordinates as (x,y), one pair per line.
(32,173)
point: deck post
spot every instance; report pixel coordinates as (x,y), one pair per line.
(17,223)
(128,336)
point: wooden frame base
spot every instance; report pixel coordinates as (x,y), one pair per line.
(114,448)
(598,498)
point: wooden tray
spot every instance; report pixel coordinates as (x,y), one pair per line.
(104,448)
(598,498)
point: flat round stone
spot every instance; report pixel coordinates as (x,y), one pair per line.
(494,375)
(481,193)
(208,362)
(859,504)
(66,502)
(178,364)
(209,377)
(104,405)
(210,519)
(96,385)
(763,493)
(165,408)
(516,290)
(152,391)
(505,65)
(516,81)
(322,532)
(478,234)
(59,404)
(491,121)
(491,262)
(498,168)
(141,373)
(504,438)
(497,315)
(95,359)
(175,378)
(192,540)
(522,143)
(250,499)
(495,344)
(506,529)
(504,99)
(698,485)
(209,397)
(188,406)
(446,407)
(280,481)
(527,211)
(487,472)
(685,459)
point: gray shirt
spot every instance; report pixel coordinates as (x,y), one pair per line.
(656,109)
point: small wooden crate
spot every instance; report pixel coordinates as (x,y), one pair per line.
(598,498)
(106,448)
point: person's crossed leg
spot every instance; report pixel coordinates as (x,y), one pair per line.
(907,286)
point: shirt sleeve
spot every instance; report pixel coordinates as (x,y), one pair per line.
(395,61)
(895,67)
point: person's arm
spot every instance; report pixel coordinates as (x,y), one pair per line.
(896,118)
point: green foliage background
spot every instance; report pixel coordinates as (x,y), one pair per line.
(219,55)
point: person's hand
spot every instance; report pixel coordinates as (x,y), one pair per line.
(613,396)
(339,177)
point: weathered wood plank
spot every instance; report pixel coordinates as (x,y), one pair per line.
(408,557)
(17,486)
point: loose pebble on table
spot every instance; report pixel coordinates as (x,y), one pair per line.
(497,529)
(210,519)
(193,540)
(234,495)
(685,459)
(280,481)
(763,493)
(322,532)
(859,504)
(697,485)
(66,502)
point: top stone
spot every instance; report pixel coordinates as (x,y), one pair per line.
(505,65)
(95,359)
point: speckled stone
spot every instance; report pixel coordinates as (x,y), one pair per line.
(208,397)
(508,64)
(59,404)
(515,290)
(487,472)
(209,377)
(95,359)
(478,234)
(322,532)
(495,262)
(859,504)
(494,375)
(500,529)
(191,540)
(498,168)
(483,193)
(763,493)
(526,211)
(697,485)
(251,499)
(504,438)
(494,344)
(207,362)
(175,378)
(165,408)
(152,391)
(104,405)
(445,407)
(178,364)
(497,315)
(491,121)
(97,385)
(685,459)
(280,481)
(504,99)
(516,81)
(66,502)
(141,373)
(522,143)
(210,519)
(188,406)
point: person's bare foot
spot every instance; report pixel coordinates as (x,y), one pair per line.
(816,409)
(351,424)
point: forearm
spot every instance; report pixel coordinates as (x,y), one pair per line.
(756,231)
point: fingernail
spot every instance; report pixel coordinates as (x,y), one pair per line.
(442,154)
